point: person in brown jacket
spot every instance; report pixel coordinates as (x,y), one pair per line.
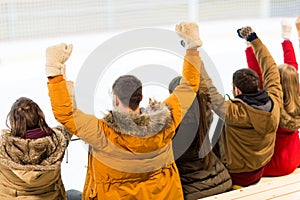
(202,174)
(247,141)
(286,157)
(130,151)
(31,154)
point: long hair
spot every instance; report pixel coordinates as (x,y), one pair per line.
(205,120)
(24,115)
(289,79)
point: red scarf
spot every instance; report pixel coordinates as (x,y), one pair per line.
(37,133)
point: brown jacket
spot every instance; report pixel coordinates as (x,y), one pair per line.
(130,156)
(31,169)
(247,143)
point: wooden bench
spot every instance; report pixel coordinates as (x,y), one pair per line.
(275,188)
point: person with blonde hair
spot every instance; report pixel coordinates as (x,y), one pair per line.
(31,154)
(286,157)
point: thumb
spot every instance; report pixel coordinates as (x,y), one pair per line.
(178,28)
(69,49)
(239,33)
(63,70)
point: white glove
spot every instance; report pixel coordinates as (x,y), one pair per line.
(286,29)
(189,32)
(56,56)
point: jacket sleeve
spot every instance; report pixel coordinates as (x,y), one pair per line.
(184,94)
(85,126)
(269,70)
(289,56)
(218,103)
(253,64)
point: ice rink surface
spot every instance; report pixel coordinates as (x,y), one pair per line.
(22,71)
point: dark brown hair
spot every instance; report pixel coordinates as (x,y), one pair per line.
(24,115)
(128,89)
(205,120)
(246,80)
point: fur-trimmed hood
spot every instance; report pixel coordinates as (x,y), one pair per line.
(152,120)
(28,159)
(288,121)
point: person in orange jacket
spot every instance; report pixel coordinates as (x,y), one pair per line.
(130,154)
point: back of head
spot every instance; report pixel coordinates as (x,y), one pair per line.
(24,115)
(128,89)
(246,80)
(174,83)
(289,79)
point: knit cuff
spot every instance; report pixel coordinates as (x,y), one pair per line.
(251,37)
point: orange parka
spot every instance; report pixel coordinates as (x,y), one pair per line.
(130,155)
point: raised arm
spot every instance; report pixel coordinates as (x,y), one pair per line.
(217,100)
(85,126)
(269,67)
(253,64)
(289,56)
(297,23)
(183,96)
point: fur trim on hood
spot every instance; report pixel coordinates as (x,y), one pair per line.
(33,154)
(152,120)
(288,121)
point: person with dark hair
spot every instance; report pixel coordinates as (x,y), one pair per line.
(246,143)
(130,154)
(31,154)
(286,157)
(202,174)
(247,80)
(128,90)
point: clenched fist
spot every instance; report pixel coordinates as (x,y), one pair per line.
(189,32)
(247,33)
(56,56)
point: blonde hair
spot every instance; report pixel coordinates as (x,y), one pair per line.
(289,79)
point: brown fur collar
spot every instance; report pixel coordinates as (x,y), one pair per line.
(288,121)
(153,119)
(33,154)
